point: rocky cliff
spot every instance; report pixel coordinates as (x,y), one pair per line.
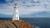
(14,24)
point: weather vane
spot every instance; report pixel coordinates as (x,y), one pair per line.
(15,13)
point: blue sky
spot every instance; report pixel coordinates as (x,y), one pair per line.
(27,8)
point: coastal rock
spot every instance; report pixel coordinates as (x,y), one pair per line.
(14,24)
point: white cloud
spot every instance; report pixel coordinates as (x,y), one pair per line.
(6,9)
(35,9)
(8,0)
(22,9)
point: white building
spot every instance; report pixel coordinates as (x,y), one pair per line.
(15,13)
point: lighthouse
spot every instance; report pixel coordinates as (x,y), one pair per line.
(15,12)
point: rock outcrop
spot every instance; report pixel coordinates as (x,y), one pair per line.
(14,24)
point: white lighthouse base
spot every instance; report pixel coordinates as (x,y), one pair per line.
(16,17)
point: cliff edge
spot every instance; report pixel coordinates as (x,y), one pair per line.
(14,24)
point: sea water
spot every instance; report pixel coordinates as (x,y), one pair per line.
(38,22)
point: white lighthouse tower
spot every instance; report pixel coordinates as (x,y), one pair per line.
(15,13)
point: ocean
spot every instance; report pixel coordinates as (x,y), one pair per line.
(37,22)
